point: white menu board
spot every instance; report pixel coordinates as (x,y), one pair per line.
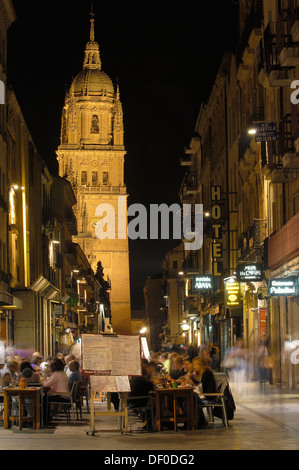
(111,354)
(105,383)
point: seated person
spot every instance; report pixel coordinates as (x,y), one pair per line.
(58,383)
(36,362)
(177,369)
(75,373)
(9,373)
(203,375)
(28,372)
(68,360)
(141,386)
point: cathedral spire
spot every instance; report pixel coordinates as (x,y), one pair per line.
(91,35)
(92,58)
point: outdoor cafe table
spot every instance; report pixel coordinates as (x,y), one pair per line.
(21,394)
(171,397)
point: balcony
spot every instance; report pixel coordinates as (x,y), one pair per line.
(251,34)
(105,188)
(287,46)
(190,183)
(191,264)
(283,246)
(189,188)
(269,60)
(288,130)
(186,160)
(277,161)
(251,242)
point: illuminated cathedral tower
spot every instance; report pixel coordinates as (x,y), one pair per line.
(91,156)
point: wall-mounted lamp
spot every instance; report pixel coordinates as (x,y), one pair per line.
(251,131)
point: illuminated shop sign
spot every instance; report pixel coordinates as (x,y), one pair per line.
(232,294)
(286,286)
(250,272)
(203,282)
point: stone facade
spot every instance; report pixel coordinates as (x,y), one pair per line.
(91,156)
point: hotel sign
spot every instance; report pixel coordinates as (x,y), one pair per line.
(266,132)
(253,272)
(284,286)
(232,294)
(217,217)
(203,283)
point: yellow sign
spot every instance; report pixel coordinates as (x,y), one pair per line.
(232,294)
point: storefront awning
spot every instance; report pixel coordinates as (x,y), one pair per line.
(44,287)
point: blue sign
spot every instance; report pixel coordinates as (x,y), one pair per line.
(266,132)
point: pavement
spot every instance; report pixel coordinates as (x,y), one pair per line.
(264,420)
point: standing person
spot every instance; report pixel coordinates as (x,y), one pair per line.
(214,354)
(236,364)
(264,364)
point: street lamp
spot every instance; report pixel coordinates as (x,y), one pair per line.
(251,131)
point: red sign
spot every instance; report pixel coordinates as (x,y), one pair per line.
(263,323)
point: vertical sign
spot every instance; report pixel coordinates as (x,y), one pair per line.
(216,214)
(262,323)
(232,294)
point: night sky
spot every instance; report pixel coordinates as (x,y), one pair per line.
(165,58)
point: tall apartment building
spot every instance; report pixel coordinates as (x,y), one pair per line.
(242,165)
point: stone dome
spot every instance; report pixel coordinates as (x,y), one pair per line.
(92,82)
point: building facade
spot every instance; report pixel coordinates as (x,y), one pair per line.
(242,165)
(91,156)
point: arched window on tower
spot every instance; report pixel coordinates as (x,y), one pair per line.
(94,124)
(105,177)
(94,178)
(84,177)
